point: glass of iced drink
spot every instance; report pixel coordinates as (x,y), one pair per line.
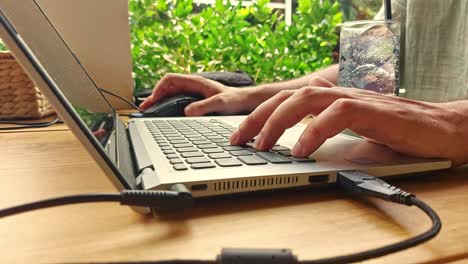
(369,55)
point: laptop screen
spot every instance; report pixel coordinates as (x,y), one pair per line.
(62,67)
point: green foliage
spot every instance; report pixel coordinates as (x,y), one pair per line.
(169,36)
(2,46)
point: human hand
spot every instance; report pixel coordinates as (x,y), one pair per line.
(423,129)
(219,98)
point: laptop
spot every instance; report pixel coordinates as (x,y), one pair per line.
(158,153)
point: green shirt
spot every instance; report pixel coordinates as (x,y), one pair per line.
(434,57)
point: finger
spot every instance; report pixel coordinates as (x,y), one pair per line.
(254,122)
(214,104)
(320,82)
(304,101)
(342,114)
(172,84)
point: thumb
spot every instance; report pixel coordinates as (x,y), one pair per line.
(320,82)
(212,104)
(148,102)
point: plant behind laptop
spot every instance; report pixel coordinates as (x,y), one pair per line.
(175,36)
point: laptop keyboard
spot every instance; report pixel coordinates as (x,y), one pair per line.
(204,144)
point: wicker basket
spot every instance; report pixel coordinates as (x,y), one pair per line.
(19,98)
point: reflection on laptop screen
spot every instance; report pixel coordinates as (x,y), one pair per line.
(62,67)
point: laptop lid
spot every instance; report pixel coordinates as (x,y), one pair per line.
(54,68)
(88,26)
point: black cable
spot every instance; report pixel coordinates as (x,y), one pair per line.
(66,200)
(25,125)
(179,198)
(123,99)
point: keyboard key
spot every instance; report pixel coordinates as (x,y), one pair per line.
(228,162)
(210,135)
(197,160)
(219,155)
(175,138)
(192,154)
(169,151)
(252,160)
(224,144)
(295,159)
(172,156)
(251,150)
(179,141)
(207,146)
(250,144)
(273,157)
(189,132)
(218,139)
(240,153)
(166,148)
(171,133)
(163,145)
(197,138)
(286,153)
(176,161)
(180,167)
(189,149)
(232,148)
(185,145)
(280,148)
(205,165)
(203,131)
(201,142)
(212,150)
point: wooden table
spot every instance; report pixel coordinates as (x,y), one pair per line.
(313,223)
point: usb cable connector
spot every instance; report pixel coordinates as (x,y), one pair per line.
(361,183)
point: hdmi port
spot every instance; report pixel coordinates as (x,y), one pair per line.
(199,187)
(317,179)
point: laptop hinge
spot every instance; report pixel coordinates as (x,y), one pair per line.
(142,159)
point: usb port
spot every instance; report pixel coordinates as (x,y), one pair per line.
(199,187)
(317,179)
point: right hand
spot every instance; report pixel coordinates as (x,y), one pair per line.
(219,98)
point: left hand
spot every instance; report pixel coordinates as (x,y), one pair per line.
(422,129)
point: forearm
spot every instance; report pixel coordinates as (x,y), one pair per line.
(265,91)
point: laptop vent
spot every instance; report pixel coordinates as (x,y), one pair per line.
(252,184)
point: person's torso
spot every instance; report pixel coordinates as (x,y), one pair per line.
(435,53)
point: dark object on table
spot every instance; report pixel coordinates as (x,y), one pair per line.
(171,106)
(233,79)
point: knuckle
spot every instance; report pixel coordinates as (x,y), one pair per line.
(344,105)
(284,93)
(220,100)
(307,91)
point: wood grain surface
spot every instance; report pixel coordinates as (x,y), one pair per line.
(313,223)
